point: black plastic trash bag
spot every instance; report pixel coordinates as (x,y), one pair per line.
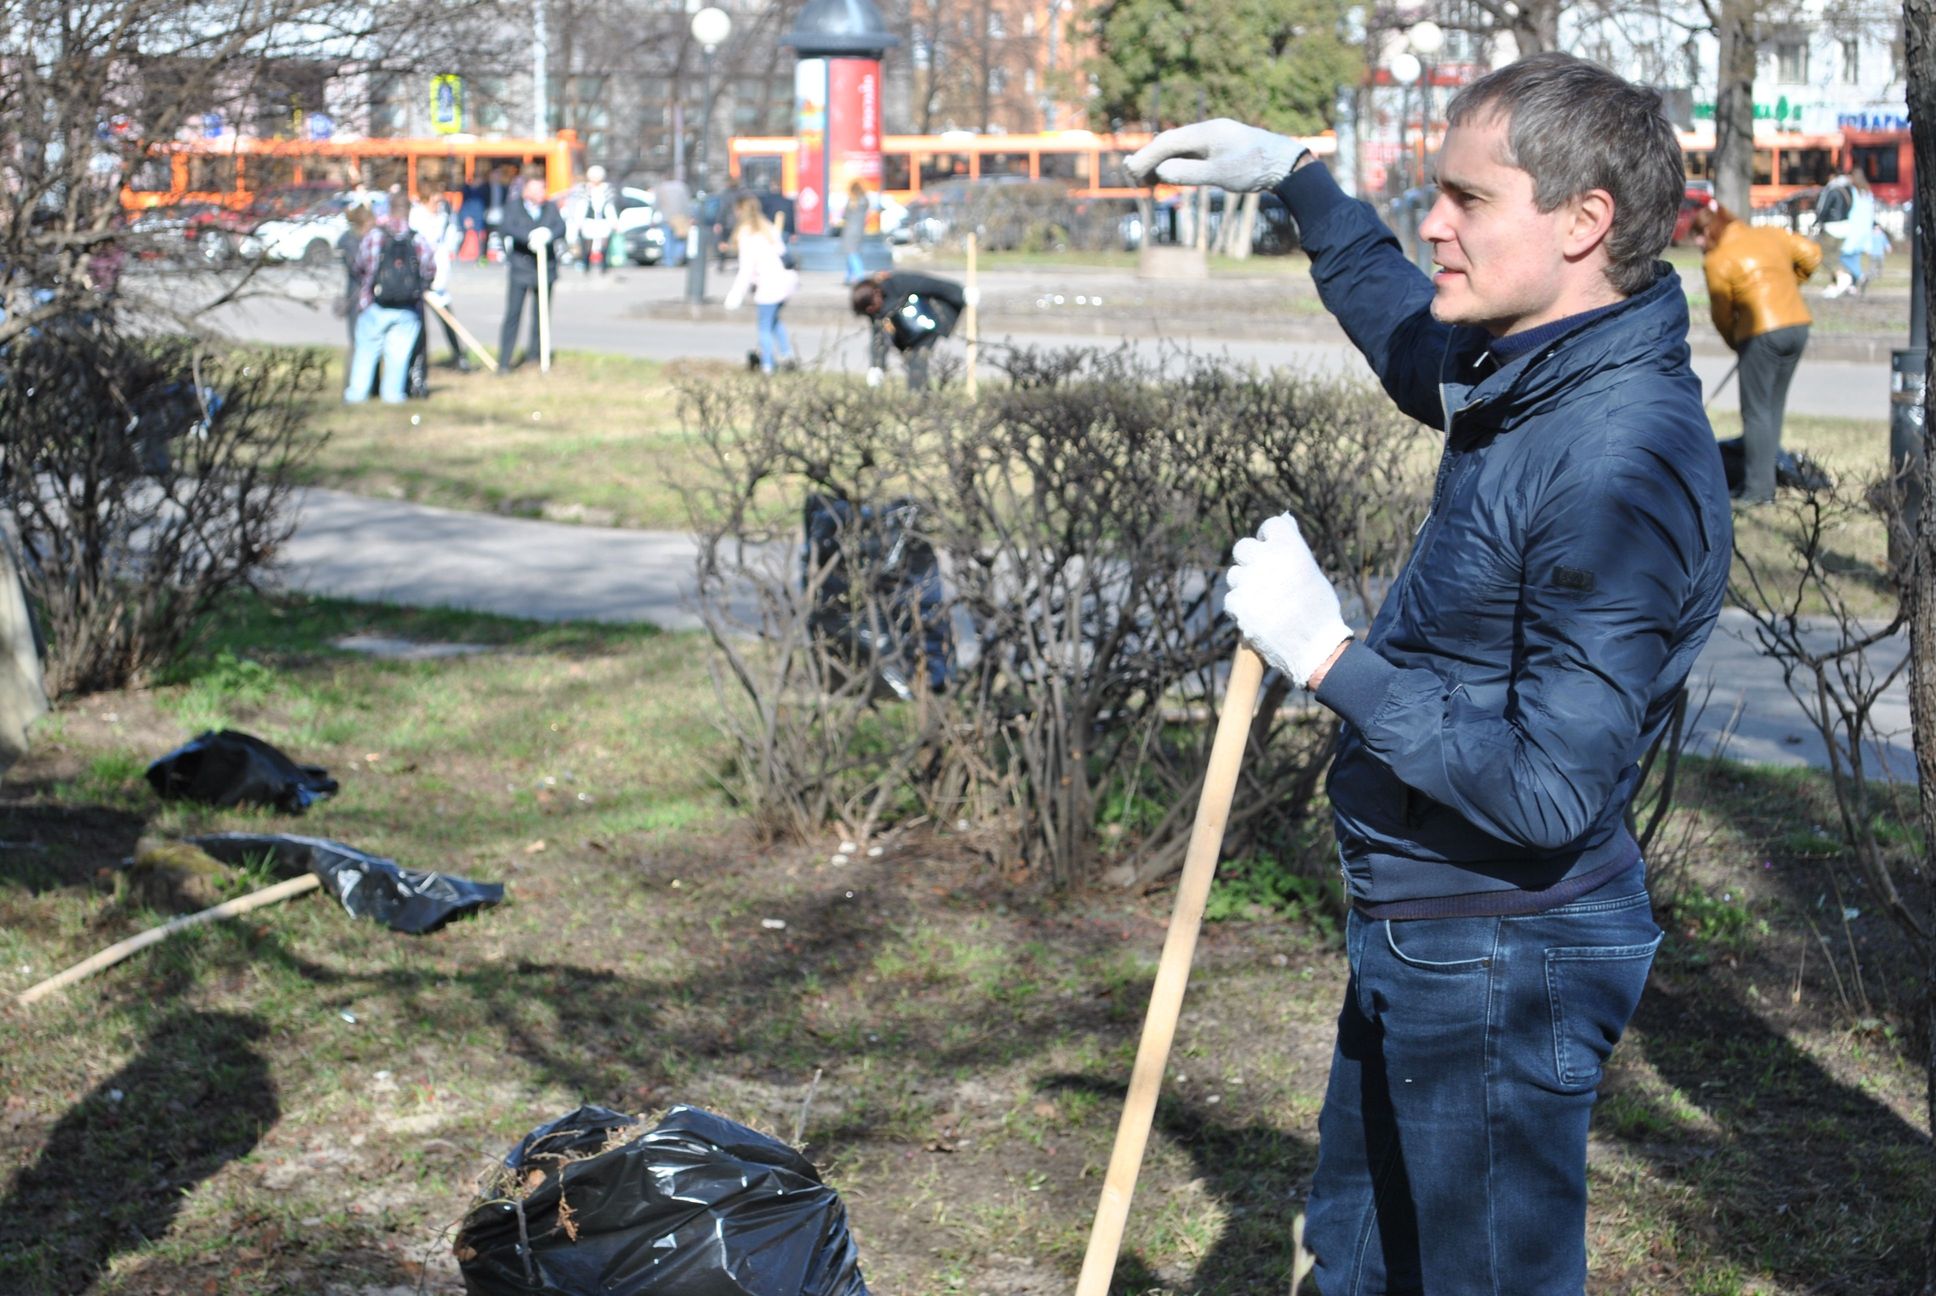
(900,625)
(697,1205)
(369,886)
(1796,472)
(231,768)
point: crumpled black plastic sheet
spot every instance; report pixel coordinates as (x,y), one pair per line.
(230,767)
(369,886)
(697,1205)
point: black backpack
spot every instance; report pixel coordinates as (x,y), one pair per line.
(399,277)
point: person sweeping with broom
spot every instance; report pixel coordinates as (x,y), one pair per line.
(1559,590)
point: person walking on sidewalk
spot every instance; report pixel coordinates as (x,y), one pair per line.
(1856,234)
(394,265)
(595,216)
(764,272)
(531,221)
(1755,275)
(1571,567)
(911,313)
(853,231)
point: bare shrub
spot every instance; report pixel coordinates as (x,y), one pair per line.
(145,479)
(1080,515)
(1832,667)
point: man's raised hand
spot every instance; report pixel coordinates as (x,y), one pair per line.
(1224,153)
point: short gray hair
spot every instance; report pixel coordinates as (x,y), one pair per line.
(1575,127)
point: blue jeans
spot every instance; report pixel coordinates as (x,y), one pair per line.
(855,270)
(774,343)
(389,334)
(1452,1144)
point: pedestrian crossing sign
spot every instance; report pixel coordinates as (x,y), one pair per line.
(447,104)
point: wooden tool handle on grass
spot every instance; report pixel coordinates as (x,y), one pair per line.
(544,307)
(115,953)
(1172,973)
(463,334)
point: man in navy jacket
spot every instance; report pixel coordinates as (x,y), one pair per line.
(1559,590)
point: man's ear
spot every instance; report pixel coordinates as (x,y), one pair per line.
(1591,223)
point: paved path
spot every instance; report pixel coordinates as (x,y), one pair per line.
(376,550)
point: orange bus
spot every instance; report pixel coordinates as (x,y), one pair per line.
(1091,164)
(233,171)
(1784,161)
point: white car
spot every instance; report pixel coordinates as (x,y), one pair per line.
(308,236)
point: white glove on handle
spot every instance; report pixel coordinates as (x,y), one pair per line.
(538,237)
(1224,153)
(1282,601)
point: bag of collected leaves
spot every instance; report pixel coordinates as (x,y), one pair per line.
(597,1204)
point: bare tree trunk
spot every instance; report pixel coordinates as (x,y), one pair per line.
(985,44)
(1732,163)
(1919,39)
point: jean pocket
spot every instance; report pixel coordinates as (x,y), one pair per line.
(1593,992)
(1446,945)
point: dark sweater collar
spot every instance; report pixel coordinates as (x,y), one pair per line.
(1513,345)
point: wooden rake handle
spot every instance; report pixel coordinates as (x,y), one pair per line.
(1172,973)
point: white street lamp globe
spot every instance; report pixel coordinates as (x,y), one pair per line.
(1425,38)
(711,26)
(1404,67)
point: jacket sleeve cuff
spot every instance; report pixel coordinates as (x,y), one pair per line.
(1311,193)
(1358,682)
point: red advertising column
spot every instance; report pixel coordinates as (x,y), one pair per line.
(837,105)
(853,129)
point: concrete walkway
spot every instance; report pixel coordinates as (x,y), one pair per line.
(388,551)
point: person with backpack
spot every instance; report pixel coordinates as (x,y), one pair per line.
(394,265)
(1854,230)
(910,312)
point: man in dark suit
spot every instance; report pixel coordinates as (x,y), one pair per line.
(530,222)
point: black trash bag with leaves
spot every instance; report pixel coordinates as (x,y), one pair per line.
(890,613)
(229,767)
(1793,471)
(411,901)
(696,1205)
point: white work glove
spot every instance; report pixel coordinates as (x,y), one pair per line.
(1282,601)
(538,237)
(875,375)
(972,296)
(1224,153)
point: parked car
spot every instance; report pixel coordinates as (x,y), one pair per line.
(308,235)
(644,244)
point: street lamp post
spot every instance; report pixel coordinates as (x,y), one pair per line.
(710,27)
(1410,67)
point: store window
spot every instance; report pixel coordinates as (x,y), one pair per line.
(1791,62)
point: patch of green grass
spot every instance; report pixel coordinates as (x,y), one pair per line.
(597,440)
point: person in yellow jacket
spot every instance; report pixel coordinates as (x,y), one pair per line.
(1754,279)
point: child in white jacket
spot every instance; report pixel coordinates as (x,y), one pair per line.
(764,272)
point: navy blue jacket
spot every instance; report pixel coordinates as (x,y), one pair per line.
(1571,567)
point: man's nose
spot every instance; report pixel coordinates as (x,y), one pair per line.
(1435,228)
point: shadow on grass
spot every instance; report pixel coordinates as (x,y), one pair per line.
(46,845)
(1261,1176)
(118,1165)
